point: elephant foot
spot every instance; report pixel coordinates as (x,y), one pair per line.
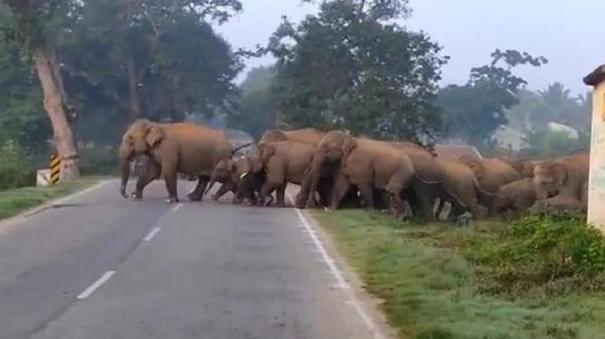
(172,200)
(267,202)
(136,196)
(193,196)
(215,197)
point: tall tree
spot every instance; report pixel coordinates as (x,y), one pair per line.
(164,56)
(39,25)
(475,110)
(353,66)
(256,111)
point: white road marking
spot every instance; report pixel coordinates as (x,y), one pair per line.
(151,234)
(92,288)
(177,207)
(341,283)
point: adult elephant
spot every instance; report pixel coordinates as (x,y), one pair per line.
(364,163)
(174,147)
(310,136)
(566,176)
(492,173)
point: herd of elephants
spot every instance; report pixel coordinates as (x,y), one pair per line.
(336,169)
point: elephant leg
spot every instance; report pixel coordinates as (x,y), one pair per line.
(266,192)
(341,188)
(152,172)
(170,178)
(367,195)
(222,191)
(424,198)
(281,195)
(198,192)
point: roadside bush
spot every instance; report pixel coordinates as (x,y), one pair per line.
(16,168)
(552,255)
(98,161)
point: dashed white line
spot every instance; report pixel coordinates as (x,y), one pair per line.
(177,207)
(92,288)
(151,234)
(341,283)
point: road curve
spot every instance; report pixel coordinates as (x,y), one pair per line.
(97,266)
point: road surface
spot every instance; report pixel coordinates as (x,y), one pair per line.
(98,266)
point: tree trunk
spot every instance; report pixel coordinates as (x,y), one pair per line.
(134,103)
(47,70)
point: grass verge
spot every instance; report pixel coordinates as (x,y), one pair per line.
(15,201)
(430,278)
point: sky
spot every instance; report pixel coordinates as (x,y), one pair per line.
(570,34)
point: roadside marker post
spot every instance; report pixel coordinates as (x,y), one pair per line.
(596,180)
(55,169)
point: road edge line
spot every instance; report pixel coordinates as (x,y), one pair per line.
(338,275)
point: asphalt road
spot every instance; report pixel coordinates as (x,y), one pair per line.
(98,266)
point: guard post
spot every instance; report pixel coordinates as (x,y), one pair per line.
(596,181)
(55,169)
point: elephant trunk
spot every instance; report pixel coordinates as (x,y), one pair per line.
(125,170)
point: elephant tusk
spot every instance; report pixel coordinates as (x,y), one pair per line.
(243,175)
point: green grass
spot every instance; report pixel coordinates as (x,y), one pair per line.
(15,201)
(428,282)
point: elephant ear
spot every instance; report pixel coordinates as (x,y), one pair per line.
(266,151)
(559,172)
(154,136)
(232,166)
(256,165)
(348,144)
(477,167)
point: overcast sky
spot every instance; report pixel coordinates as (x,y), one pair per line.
(571,34)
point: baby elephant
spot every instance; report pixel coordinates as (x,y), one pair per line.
(228,172)
(517,196)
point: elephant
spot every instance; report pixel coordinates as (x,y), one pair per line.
(563,176)
(491,172)
(558,204)
(283,162)
(228,172)
(517,196)
(306,135)
(173,147)
(427,179)
(366,164)
(460,187)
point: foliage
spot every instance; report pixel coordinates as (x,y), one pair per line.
(99,161)
(256,111)
(549,143)
(427,279)
(16,169)
(352,66)
(475,110)
(20,99)
(555,255)
(166,61)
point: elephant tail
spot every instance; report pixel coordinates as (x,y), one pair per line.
(237,149)
(484,195)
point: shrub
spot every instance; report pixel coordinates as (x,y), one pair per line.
(100,160)
(16,167)
(552,254)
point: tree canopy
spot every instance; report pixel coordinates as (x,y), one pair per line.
(352,66)
(473,111)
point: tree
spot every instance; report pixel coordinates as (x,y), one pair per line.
(353,66)
(20,98)
(256,111)
(475,110)
(39,25)
(165,57)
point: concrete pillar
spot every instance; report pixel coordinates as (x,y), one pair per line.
(596,188)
